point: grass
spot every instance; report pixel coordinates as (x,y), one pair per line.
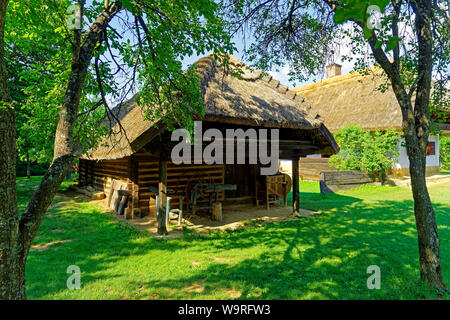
(321,257)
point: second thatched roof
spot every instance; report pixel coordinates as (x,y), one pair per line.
(354,99)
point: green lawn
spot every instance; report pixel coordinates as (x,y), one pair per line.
(321,257)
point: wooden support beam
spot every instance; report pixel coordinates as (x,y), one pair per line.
(133,169)
(162,193)
(133,211)
(291,154)
(86,173)
(295,187)
(297,146)
(256,174)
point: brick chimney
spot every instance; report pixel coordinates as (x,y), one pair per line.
(333,70)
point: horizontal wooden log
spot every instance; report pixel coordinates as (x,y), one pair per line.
(151,177)
(332,181)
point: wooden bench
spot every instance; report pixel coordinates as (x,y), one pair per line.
(332,181)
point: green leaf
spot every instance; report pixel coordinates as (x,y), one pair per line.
(392,43)
(367,33)
(340,17)
(380,3)
(352,10)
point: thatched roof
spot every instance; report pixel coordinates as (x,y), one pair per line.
(254,99)
(354,99)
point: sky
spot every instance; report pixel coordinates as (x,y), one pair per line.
(281,74)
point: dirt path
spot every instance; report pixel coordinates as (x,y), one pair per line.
(431,180)
(234,217)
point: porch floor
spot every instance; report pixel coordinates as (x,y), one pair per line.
(234,217)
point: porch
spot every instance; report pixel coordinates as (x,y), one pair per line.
(234,217)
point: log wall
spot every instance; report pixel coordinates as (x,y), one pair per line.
(310,168)
(177,178)
(140,171)
(244,176)
(99,174)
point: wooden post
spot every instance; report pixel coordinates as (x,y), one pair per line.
(295,187)
(255,169)
(133,169)
(162,189)
(133,210)
(28,166)
(285,191)
(135,198)
(217,211)
(129,209)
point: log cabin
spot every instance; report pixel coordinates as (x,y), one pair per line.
(141,159)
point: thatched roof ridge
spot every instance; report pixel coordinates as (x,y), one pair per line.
(287,108)
(353,98)
(253,99)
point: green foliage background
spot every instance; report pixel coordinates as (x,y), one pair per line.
(141,56)
(36,168)
(444,151)
(369,151)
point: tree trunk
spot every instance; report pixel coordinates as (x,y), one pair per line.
(429,252)
(12,270)
(416,128)
(428,238)
(16,236)
(69,173)
(416,131)
(28,166)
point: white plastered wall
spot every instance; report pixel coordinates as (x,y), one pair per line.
(403,161)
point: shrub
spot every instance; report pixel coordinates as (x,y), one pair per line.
(444,151)
(36,169)
(369,151)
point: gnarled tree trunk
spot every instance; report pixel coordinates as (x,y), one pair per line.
(416,128)
(11,271)
(16,236)
(428,238)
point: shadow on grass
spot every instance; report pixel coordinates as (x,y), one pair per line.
(321,257)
